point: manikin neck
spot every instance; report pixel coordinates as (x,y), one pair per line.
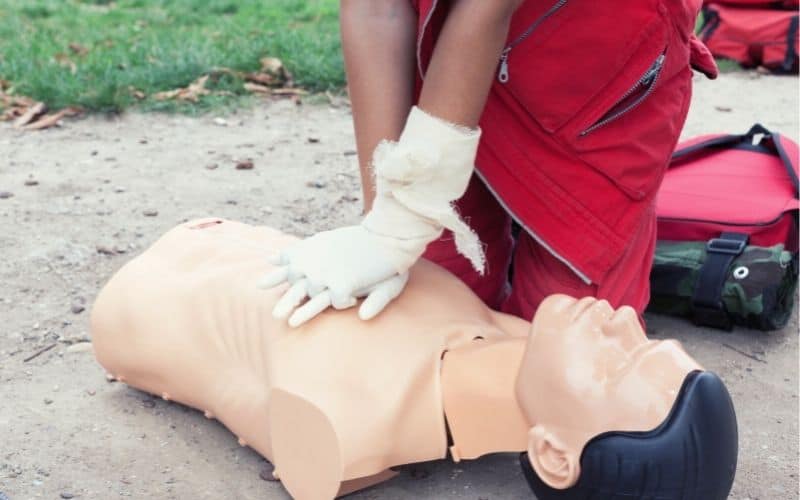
(480,404)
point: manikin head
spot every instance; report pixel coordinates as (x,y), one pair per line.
(613,413)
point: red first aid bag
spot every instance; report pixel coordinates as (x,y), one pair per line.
(752,36)
(727,231)
(744,183)
(760,4)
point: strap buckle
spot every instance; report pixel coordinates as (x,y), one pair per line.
(708,309)
(726,246)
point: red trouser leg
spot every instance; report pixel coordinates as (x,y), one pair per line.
(537,274)
(487,218)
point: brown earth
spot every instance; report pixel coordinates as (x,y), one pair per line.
(91,194)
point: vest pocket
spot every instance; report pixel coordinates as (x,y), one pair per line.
(632,141)
(562,55)
(633,97)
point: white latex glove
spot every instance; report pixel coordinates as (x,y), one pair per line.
(363,266)
(417,179)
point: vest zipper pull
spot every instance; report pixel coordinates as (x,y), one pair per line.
(502,74)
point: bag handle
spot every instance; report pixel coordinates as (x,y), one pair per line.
(729,141)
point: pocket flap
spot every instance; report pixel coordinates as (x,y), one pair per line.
(573,54)
(701,58)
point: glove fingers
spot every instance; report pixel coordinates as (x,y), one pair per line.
(278,259)
(342,301)
(294,274)
(274,278)
(380,297)
(290,299)
(316,305)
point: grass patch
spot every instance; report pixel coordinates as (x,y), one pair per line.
(97,53)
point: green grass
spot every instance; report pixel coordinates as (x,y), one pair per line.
(157,45)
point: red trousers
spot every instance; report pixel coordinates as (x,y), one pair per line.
(536,272)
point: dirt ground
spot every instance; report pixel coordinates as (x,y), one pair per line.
(91,194)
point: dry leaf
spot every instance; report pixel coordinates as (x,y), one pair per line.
(64,60)
(256,88)
(78,49)
(51,119)
(261,78)
(289,92)
(274,66)
(31,114)
(138,94)
(190,93)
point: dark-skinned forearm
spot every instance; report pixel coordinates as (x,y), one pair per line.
(378,42)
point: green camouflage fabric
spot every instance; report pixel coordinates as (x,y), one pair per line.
(758,292)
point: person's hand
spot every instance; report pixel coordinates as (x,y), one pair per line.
(334,269)
(418,178)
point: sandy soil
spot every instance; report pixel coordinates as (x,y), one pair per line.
(90,195)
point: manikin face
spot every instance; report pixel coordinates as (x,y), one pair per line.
(590,369)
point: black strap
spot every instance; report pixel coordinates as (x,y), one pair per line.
(711,21)
(708,308)
(716,144)
(791,52)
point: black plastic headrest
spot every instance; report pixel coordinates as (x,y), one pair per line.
(690,456)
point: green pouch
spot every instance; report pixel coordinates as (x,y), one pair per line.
(758,290)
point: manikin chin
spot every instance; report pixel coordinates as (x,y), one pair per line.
(595,408)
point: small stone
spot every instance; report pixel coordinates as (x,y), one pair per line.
(80,347)
(723,109)
(119,189)
(91,392)
(48,401)
(244,165)
(142,141)
(268,473)
(31,182)
(4,195)
(150,213)
(104,250)
(315,184)
(77,308)
(222,122)
(94,153)
(212,166)
(231,202)
(350,152)
(66,495)
(313,140)
(148,403)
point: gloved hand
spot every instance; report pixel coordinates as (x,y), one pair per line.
(417,180)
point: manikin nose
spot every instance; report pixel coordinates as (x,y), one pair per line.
(624,326)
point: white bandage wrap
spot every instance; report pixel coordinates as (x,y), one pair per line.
(423,173)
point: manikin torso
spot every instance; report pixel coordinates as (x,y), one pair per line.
(339,399)
(377,383)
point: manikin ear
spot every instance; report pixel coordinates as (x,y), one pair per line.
(554,463)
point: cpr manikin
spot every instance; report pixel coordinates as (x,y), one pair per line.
(596,408)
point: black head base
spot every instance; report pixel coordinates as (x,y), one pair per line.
(690,456)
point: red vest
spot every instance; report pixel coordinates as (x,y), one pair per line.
(587,106)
